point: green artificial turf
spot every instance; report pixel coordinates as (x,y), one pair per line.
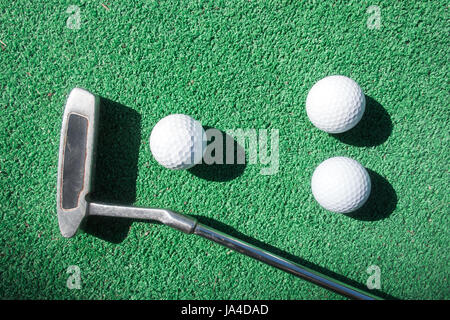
(229,64)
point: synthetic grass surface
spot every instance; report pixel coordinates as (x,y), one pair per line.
(229,64)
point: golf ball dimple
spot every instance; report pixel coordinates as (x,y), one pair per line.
(335,104)
(341,184)
(178,142)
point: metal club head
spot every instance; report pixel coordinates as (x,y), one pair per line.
(76,159)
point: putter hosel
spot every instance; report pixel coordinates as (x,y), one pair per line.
(168,217)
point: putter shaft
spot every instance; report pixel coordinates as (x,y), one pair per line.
(190,225)
(282,263)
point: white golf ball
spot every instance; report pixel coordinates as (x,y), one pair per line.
(335,104)
(341,184)
(178,142)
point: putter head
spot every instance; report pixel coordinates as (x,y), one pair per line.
(76,159)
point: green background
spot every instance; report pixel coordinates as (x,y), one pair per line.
(229,64)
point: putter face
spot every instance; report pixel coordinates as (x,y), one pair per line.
(76,159)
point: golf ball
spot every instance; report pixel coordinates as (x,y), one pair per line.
(178,142)
(335,104)
(341,184)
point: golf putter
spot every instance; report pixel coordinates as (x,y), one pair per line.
(75,181)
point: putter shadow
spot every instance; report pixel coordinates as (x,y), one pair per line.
(374,128)
(116,170)
(233,232)
(225,171)
(381,203)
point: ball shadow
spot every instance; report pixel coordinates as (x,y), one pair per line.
(115,175)
(374,128)
(227,170)
(381,203)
